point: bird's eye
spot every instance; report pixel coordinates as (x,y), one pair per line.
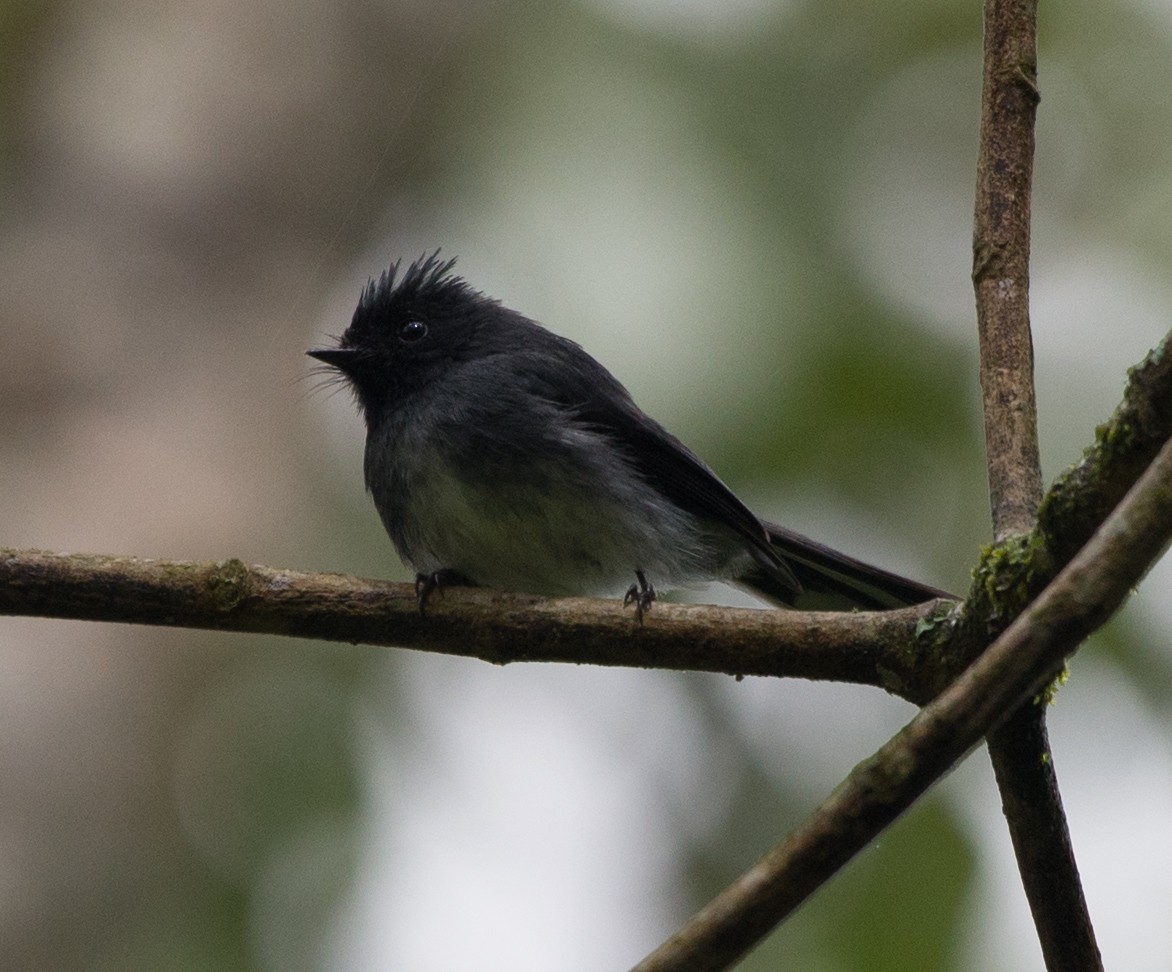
(412,331)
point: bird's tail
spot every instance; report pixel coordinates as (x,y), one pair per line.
(832,581)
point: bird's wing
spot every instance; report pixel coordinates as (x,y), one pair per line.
(598,400)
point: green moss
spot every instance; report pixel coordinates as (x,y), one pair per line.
(228,584)
(1008,575)
(1050,692)
(936,627)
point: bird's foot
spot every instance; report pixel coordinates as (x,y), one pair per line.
(435,582)
(642,595)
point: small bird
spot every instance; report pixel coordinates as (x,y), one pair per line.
(500,454)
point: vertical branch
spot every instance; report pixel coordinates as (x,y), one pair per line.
(1030,799)
(1019,749)
(1001,254)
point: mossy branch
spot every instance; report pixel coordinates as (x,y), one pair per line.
(1022,660)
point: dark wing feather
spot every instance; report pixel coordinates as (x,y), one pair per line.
(791,569)
(600,401)
(834,581)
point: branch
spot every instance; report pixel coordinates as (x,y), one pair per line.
(1013,572)
(1001,255)
(907,652)
(871,648)
(1021,661)
(1032,804)
(1019,749)
(912,653)
(1083,495)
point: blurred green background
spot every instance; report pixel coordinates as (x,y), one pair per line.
(759,216)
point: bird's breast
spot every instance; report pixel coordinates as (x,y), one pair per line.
(561,514)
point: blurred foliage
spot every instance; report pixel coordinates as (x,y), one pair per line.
(756,214)
(904,906)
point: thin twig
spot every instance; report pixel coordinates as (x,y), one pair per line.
(1016,666)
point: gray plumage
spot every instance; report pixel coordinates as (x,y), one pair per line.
(504,454)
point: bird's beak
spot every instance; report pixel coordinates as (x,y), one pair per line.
(340,358)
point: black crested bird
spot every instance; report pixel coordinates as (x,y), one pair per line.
(503,455)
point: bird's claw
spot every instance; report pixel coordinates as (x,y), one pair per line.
(642,595)
(435,582)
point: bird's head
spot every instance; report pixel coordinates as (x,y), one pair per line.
(408,329)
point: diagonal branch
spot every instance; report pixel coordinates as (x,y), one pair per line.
(1015,571)
(1021,661)
(1083,495)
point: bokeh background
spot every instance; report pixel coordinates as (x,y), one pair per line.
(758,215)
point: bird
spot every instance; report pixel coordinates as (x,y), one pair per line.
(503,455)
